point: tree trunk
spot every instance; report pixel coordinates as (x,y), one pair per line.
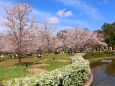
(20,60)
(82,49)
(19,56)
(64,47)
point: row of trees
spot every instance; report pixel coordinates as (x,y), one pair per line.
(80,39)
(25,35)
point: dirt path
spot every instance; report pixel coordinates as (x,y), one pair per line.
(38,65)
(36,70)
(62,60)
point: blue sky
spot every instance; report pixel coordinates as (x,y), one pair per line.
(90,14)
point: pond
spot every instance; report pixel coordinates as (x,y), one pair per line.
(103,73)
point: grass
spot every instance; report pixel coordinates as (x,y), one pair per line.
(10,68)
(12,72)
(54,64)
(99,55)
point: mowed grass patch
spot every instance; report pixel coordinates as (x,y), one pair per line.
(62,56)
(54,64)
(14,72)
(53,61)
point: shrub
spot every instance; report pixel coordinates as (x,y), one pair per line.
(71,75)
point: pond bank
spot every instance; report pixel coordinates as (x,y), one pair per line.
(99,59)
(89,81)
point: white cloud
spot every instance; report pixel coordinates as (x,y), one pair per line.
(60,12)
(68,13)
(83,7)
(53,20)
(64,13)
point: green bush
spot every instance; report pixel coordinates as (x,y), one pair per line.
(71,75)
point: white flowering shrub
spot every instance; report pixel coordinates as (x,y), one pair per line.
(71,75)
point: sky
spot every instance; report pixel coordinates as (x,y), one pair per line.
(91,14)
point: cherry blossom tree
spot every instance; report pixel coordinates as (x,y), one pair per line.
(62,35)
(79,39)
(20,25)
(44,37)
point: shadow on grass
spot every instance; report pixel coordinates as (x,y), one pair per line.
(24,64)
(2,60)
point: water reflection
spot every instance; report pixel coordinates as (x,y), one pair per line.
(111,69)
(104,73)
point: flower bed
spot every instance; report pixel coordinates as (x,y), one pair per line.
(71,75)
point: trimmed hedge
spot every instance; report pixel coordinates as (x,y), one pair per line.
(72,75)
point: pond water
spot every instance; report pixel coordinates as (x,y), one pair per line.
(103,73)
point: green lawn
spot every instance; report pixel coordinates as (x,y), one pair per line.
(12,72)
(10,68)
(54,64)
